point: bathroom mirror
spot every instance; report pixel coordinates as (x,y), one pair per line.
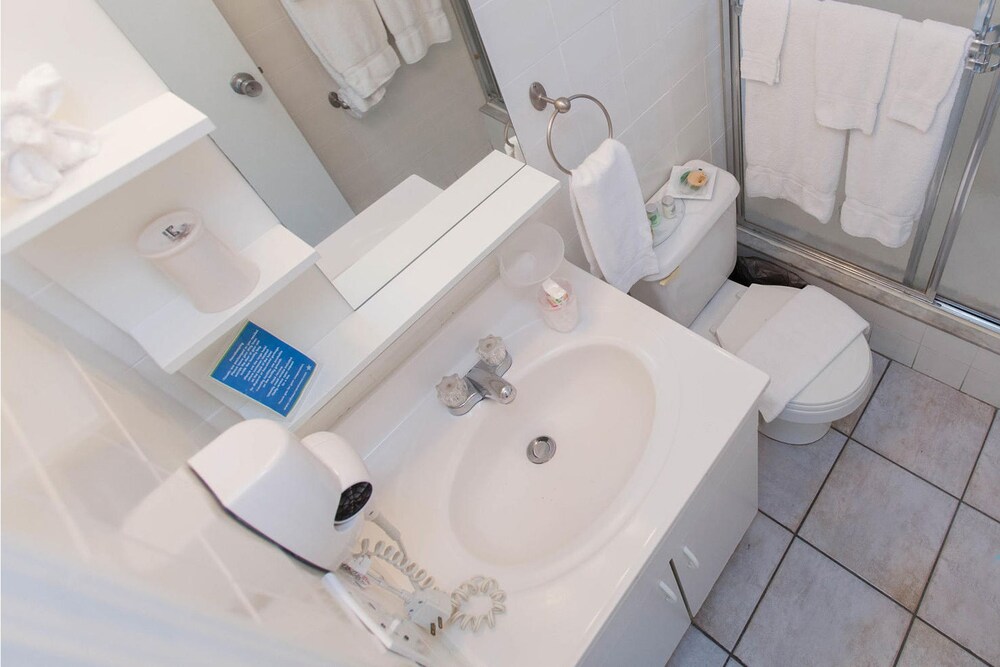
(314,150)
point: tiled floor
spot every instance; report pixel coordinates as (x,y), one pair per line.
(878,545)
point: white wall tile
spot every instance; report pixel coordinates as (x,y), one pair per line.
(23,277)
(517,33)
(571,15)
(591,54)
(638,23)
(689,96)
(646,77)
(986,361)
(694,140)
(983,385)
(942,342)
(890,344)
(940,366)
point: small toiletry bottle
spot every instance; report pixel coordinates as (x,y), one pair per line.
(668,206)
(558,304)
(654,216)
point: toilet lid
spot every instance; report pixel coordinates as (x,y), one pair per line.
(838,384)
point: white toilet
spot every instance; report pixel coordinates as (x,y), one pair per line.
(693,289)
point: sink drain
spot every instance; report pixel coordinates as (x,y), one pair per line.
(541,449)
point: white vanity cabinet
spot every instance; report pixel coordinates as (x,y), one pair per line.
(651,618)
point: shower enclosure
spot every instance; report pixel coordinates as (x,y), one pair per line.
(948,273)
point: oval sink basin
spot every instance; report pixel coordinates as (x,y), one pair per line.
(597,403)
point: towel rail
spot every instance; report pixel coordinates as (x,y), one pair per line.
(984,51)
(540,99)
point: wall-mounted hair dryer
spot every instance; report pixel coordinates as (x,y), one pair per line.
(305,495)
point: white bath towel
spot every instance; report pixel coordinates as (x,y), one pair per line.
(788,154)
(798,342)
(853,47)
(889,171)
(34,149)
(762,32)
(350,41)
(415,25)
(611,216)
(926,72)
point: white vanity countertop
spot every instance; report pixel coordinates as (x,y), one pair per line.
(554,610)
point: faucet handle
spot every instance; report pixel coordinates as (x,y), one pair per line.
(453,390)
(492,350)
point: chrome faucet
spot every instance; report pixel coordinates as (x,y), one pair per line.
(483,381)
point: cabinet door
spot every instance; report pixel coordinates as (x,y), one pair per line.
(647,624)
(716,516)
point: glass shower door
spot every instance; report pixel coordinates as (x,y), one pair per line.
(971,273)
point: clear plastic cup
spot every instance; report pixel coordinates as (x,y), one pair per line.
(563,317)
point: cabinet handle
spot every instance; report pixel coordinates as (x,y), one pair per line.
(692,559)
(668,591)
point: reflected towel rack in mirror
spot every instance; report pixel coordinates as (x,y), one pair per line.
(539,100)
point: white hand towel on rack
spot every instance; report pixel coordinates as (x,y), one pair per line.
(415,25)
(762,33)
(853,47)
(926,72)
(350,41)
(611,216)
(889,171)
(788,154)
(797,343)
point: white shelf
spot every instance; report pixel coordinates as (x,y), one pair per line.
(130,145)
(357,340)
(176,333)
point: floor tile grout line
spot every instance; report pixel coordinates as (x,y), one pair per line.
(868,401)
(795,534)
(937,557)
(905,469)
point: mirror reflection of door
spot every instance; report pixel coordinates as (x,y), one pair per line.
(315,164)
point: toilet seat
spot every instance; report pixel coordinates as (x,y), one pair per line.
(836,392)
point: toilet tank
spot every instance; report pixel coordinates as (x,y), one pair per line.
(695,260)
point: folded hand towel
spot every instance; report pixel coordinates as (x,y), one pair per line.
(34,149)
(415,25)
(762,33)
(889,171)
(853,47)
(926,72)
(797,343)
(611,216)
(351,43)
(789,155)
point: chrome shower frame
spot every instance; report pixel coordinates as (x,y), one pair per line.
(920,302)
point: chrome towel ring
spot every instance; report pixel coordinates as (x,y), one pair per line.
(539,100)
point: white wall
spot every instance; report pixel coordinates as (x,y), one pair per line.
(655,64)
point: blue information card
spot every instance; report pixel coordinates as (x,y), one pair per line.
(265,368)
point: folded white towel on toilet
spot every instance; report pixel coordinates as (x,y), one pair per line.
(889,171)
(611,216)
(926,72)
(350,41)
(853,47)
(762,33)
(788,154)
(798,342)
(415,25)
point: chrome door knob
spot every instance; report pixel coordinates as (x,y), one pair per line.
(243,83)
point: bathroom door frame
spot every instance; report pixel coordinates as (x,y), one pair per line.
(921,303)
